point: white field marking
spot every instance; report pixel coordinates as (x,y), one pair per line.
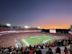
(25,42)
(45,41)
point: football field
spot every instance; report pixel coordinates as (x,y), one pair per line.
(34,40)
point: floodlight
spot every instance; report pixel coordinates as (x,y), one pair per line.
(8,24)
(26,26)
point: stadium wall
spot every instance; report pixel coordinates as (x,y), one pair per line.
(65,31)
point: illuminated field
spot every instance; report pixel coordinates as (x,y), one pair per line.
(34,40)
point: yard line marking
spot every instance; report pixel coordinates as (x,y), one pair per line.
(25,42)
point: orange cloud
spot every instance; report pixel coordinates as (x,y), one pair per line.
(54,23)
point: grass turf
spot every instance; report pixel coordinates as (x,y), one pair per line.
(34,40)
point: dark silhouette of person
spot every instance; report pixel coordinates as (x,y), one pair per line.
(26,51)
(70,48)
(31,51)
(49,51)
(38,51)
(58,50)
(65,50)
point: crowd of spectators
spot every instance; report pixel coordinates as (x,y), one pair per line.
(38,49)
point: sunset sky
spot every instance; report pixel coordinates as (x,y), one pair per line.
(52,13)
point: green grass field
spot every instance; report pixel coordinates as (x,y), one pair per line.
(34,40)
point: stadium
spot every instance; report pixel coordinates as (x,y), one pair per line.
(32,36)
(35,37)
(35,27)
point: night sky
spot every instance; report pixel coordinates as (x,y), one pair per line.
(36,12)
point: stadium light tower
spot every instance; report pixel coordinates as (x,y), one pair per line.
(26,27)
(9,25)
